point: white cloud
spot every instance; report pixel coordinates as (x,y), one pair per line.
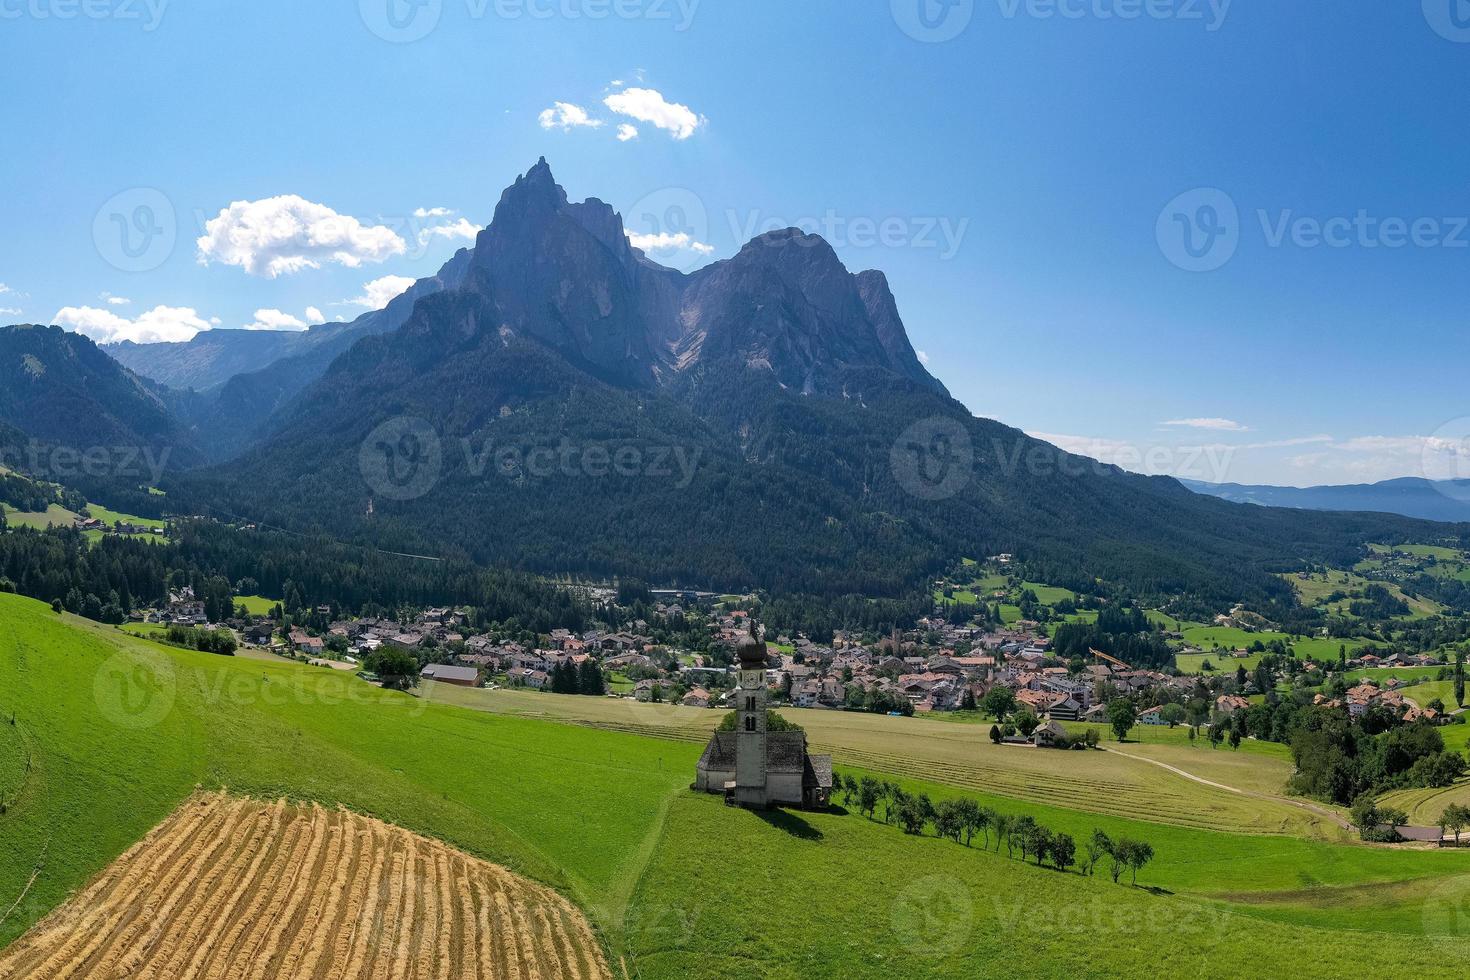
(275,320)
(281,235)
(10,311)
(162,324)
(648,105)
(462,228)
(626,132)
(1216,425)
(112,300)
(923,357)
(314,315)
(5,289)
(380,292)
(665,241)
(432,212)
(566,117)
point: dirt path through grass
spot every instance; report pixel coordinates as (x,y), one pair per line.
(1300,804)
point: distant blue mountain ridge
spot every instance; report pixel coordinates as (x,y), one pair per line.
(1432,500)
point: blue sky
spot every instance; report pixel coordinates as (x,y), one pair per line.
(1027,184)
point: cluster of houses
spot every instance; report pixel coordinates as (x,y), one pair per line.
(183,609)
(1368,694)
(119,527)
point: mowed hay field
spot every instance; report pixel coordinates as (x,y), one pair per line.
(238,888)
(963,756)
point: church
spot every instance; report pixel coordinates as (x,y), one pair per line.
(755,768)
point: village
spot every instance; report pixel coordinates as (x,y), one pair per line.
(1006,673)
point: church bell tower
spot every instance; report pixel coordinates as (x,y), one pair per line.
(750,725)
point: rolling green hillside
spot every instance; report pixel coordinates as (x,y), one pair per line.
(120,730)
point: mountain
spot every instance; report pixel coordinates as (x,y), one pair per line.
(237,413)
(59,388)
(236,379)
(770,422)
(215,357)
(1431,500)
(210,358)
(71,414)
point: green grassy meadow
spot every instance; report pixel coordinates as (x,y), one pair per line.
(256,605)
(53,516)
(122,729)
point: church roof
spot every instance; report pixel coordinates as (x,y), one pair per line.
(785,752)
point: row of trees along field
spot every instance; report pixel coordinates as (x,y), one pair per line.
(961,820)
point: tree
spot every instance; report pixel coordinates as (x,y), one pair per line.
(868,793)
(1118,855)
(987,820)
(1003,824)
(912,814)
(1234,737)
(967,703)
(1172,714)
(972,817)
(998,702)
(1460,678)
(1121,717)
(396,668)
(995,735)
(1364,815)
(949,820)
(1455,819)
(1063,851)
(1026,723)
(1097,845)
(1022,835)
(589,679)
(1139,853)
(893,801)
